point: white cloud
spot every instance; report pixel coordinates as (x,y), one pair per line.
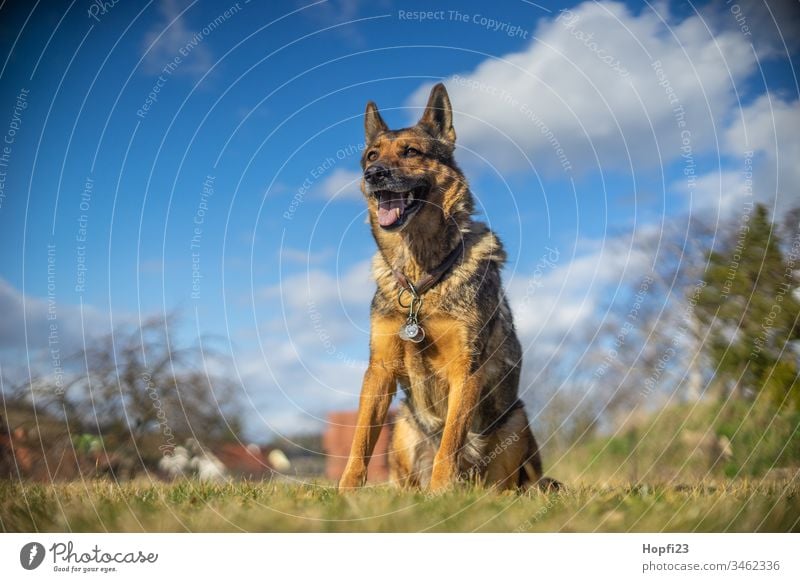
(171,33)
(559,296)
(722,191)
(769,127)
(314,346)
(762,147)
(293,392)
(342,184)
(41,336)
(26,323)
(323,289)
(588,77)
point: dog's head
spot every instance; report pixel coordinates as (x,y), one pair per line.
(408,171)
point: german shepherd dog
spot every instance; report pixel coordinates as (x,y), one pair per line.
(441,327)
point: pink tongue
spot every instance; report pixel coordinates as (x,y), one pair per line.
(387,215)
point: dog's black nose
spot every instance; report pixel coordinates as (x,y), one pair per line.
(376,173)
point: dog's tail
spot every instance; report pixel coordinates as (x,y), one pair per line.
(531,473)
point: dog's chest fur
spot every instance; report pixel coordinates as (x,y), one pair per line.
(466,311)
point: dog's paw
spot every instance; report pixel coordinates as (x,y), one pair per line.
(548,485)
(442,478)
(440,486)
(351,482)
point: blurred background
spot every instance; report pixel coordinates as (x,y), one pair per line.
(185,287)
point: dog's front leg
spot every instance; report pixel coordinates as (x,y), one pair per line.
(462,400)
(380,384)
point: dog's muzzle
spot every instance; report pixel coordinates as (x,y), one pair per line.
(398,197)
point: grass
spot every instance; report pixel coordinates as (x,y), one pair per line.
(681,443)
(743,506)
(664,472)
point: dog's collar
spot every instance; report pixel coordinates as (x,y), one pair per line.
(432,278)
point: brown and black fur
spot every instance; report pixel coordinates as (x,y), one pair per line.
(461,417)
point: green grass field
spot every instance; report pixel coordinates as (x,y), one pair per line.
(269,507)
(665,472)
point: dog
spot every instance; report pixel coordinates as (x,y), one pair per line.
(440,324)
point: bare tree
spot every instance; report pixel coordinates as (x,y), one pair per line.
(643,345)
(139,386)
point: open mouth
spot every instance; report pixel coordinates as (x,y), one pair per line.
(396,208)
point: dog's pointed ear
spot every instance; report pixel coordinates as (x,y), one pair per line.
(438,116)
(373,122)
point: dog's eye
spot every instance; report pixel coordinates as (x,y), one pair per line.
(411,152)
(372,156)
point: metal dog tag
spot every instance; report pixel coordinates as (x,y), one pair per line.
(412,331)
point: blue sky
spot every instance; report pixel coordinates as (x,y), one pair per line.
(568,132)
